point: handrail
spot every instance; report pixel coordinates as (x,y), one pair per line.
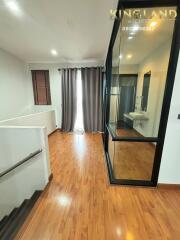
(20,162)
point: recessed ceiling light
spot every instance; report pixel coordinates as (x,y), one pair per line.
(129,56)
(153,24)
(13,7)
(135,28)
(130,37)
(54,52)
(132,33)
(120,56)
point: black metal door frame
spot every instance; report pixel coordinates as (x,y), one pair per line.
(174,54)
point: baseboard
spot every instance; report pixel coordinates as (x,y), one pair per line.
(57,129)
(169,186)
(50,177)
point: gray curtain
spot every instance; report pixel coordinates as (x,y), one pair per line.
(126,101)
(92,87)
(69,96)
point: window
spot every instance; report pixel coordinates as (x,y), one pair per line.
(41,87)
(79,126)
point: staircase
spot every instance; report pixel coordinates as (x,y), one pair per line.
(10,225)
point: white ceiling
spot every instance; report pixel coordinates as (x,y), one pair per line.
(79,30)
(144,42)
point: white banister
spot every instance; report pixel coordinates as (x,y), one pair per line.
(16,143)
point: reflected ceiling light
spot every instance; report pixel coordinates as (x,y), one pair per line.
(132,33)
(64,200)
(153,24)
(118,231)
(135,28)
(130,37)
(129,56)
(120,56)
(54,52)
(13,6)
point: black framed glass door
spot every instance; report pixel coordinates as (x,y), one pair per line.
(138,91)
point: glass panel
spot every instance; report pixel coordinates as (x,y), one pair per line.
(132,160)
(111,148)
(145,91)
(140,62)
(114,91)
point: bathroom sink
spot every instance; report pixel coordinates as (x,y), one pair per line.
(136,114)
(141,115)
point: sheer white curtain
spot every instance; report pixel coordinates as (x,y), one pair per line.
(79,126)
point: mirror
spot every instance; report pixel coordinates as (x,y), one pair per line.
(145,91)
(139,74)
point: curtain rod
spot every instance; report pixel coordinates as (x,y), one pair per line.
(78,68)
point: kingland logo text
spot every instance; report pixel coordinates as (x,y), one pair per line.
(144,13)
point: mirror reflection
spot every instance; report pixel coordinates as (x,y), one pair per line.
(145,91)
(139,69)
(132,160)
(140,62)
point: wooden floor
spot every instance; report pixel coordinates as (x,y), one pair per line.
(80,204)
(132,160)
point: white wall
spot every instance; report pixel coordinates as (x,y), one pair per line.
(125,69)
(128,68)
(14,86)
(170,163)
(55,87)
(157,63)
(46,119)
(17,143)
(16,91)
(55,83)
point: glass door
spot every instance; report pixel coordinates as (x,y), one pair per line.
(136,93)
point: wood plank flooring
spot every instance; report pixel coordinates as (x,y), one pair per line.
(79,203)
(132,160)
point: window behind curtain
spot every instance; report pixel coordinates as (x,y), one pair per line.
(41,87)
